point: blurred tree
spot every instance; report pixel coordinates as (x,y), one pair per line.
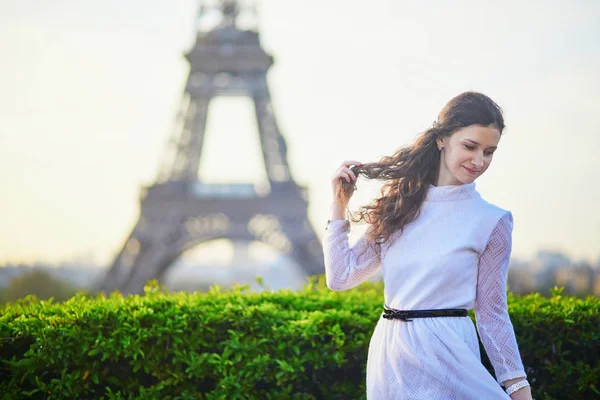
(39,283)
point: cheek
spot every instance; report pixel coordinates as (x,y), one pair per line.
(487,163)
(461,158)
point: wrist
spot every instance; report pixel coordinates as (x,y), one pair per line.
(516,386)
(337,211)
(512,381)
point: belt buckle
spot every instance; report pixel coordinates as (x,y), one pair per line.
(399,315)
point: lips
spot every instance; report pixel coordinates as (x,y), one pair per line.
(471,171)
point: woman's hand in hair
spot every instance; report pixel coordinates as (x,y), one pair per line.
(342,183)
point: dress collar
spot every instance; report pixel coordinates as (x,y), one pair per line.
(451,192)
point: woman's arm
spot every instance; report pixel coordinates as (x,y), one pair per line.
(345,266)
(491,310)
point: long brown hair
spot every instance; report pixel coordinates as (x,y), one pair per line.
(410,170)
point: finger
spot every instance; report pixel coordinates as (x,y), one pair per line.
(349,171)
(345,176)
(350,162)
(341,175)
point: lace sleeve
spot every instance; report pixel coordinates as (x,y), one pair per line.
(493,322)
(345,266)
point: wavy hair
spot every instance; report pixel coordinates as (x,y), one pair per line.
(409,171)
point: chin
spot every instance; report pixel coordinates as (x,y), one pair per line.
(468,179)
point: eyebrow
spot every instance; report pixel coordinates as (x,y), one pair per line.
(491,147)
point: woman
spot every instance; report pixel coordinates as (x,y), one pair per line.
(441,247)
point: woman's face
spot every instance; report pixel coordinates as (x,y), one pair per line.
(467,154)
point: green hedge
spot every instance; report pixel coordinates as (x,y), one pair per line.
(237,344)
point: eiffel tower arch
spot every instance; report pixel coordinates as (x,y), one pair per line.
(179,211)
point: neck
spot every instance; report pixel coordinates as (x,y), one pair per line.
(445,178)
(447,181)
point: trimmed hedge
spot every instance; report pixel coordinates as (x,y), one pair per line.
(237,344)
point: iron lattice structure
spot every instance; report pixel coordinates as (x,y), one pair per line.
(179,211)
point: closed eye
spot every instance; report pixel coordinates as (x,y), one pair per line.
(489,153)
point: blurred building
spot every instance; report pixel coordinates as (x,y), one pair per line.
(579,279)
(551,269)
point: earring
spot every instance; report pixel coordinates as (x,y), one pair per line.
(440,148)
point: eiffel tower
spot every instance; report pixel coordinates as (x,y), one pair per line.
(179,211)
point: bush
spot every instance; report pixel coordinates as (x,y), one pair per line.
(236,344)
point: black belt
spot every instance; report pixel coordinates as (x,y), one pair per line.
(406,315)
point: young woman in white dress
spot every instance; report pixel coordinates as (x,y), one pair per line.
(443,250)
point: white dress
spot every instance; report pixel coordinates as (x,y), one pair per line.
(454,255)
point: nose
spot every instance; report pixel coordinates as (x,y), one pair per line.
(478,161)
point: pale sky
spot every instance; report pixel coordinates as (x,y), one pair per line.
(89,90)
